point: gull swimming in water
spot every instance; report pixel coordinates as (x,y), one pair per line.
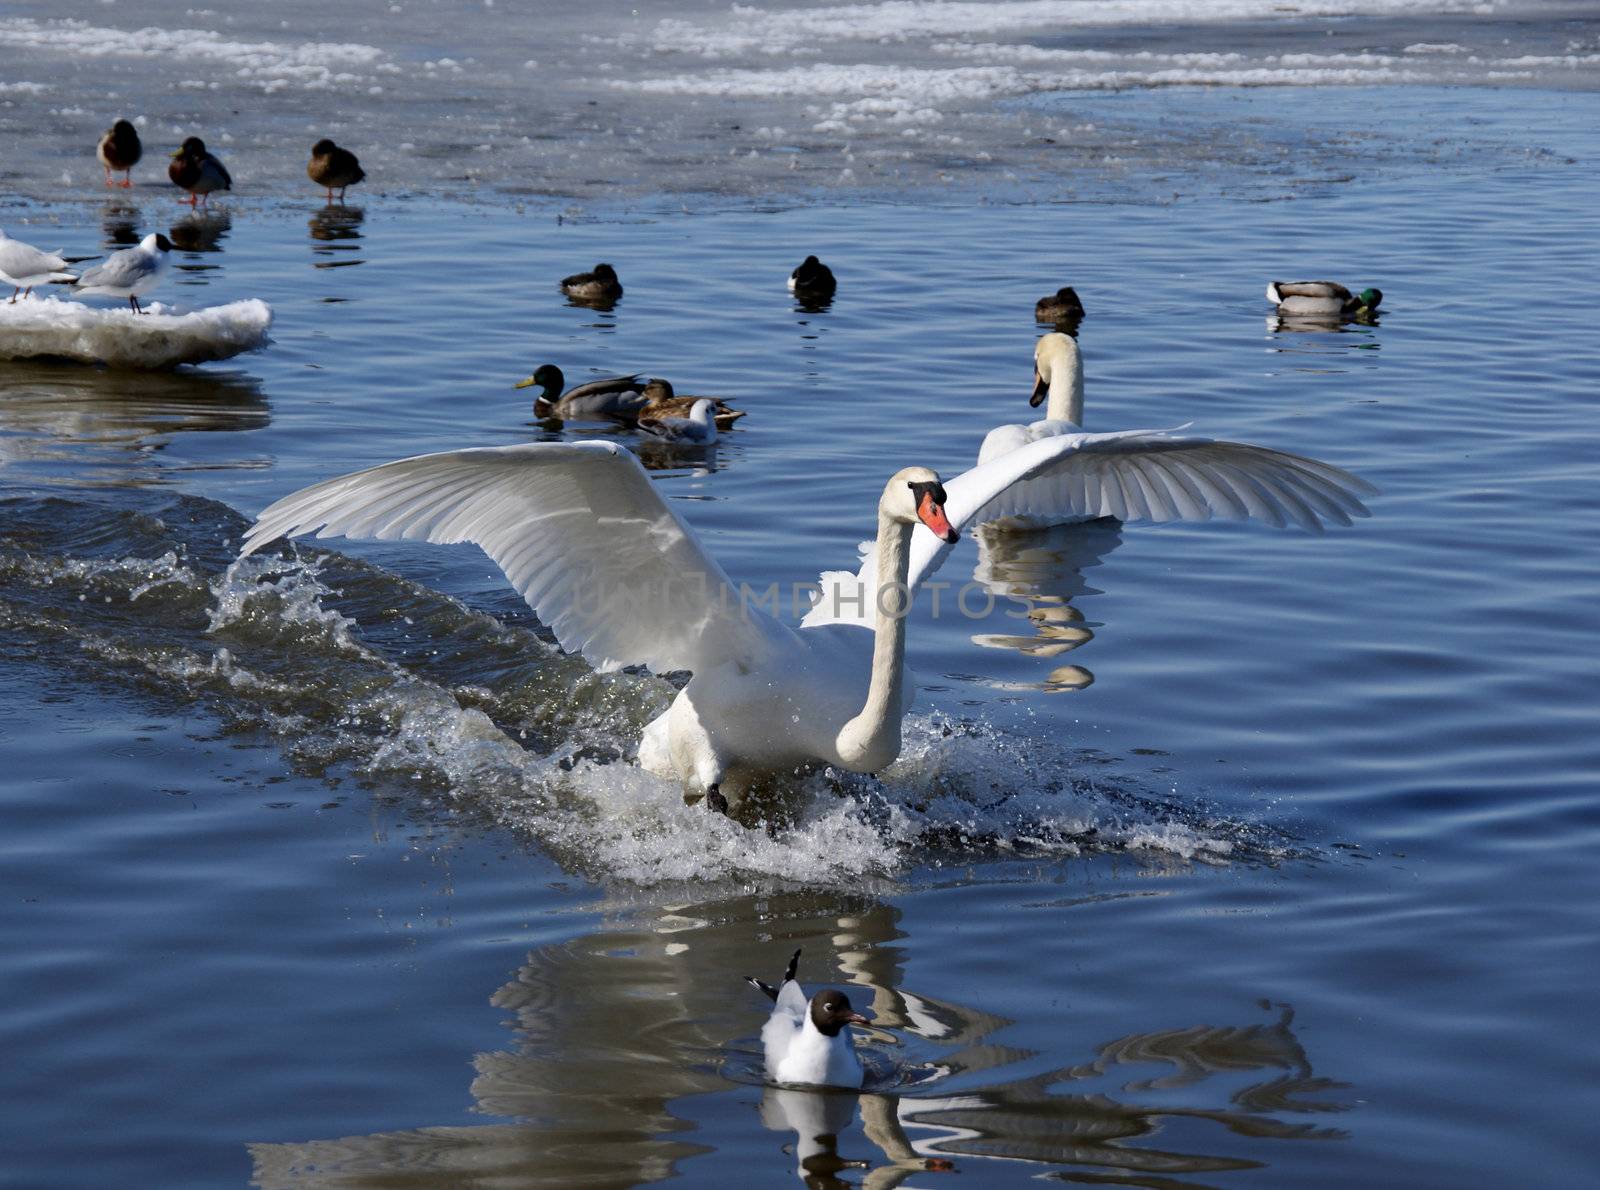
(198,171)
(809,1043)
(120,149)
(128,273)
(698,428)
(24,266)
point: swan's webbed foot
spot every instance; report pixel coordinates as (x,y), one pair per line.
(715,800)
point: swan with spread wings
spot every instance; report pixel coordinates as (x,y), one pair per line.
(585,537)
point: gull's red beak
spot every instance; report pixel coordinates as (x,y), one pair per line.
(855,1018)
(931,513)
(1040,389)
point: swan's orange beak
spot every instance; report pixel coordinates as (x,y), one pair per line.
(931,513)
(1040,389)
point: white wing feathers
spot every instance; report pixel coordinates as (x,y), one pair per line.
(1132,475)
(787,1019)
(578,529)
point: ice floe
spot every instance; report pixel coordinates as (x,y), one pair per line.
(271,65)
(159,338)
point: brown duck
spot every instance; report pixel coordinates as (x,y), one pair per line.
(120,149)
(334,168)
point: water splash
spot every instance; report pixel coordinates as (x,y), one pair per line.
(354,671)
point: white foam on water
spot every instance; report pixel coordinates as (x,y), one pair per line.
(263,589)
(260,642)
(161,337)
(310,66)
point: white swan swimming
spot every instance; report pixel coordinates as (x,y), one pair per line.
(586,538)
(1151,474)
(807,1043)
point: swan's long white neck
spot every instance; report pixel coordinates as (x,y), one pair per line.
(1066,386)
(871,740)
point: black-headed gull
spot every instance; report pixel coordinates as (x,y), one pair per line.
(809,1044)
(130,272)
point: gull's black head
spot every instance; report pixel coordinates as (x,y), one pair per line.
(831,1011)
(163,243)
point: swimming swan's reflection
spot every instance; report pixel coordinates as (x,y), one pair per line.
(620,1032)
(1039,573)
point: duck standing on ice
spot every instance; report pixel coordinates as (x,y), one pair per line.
(120,149)
(198,171)
(809,1043)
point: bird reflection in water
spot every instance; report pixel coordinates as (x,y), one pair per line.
(119,224)
(201,231)
(1335,324)
(336,232)
(85,426)
(1039,572)
(605,1093)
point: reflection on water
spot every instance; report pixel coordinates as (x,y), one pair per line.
(201,231)
(1324,324)
(1041,571)
(119,224)
(85,426)
(1087,1114)
(336,234)
(619,1033)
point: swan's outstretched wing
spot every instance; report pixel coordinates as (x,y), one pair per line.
(1133,475)
(578,529)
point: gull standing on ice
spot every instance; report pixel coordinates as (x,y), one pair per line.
(120,149)
(24,266)
(197,171)
(809,1044)
(130,272)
